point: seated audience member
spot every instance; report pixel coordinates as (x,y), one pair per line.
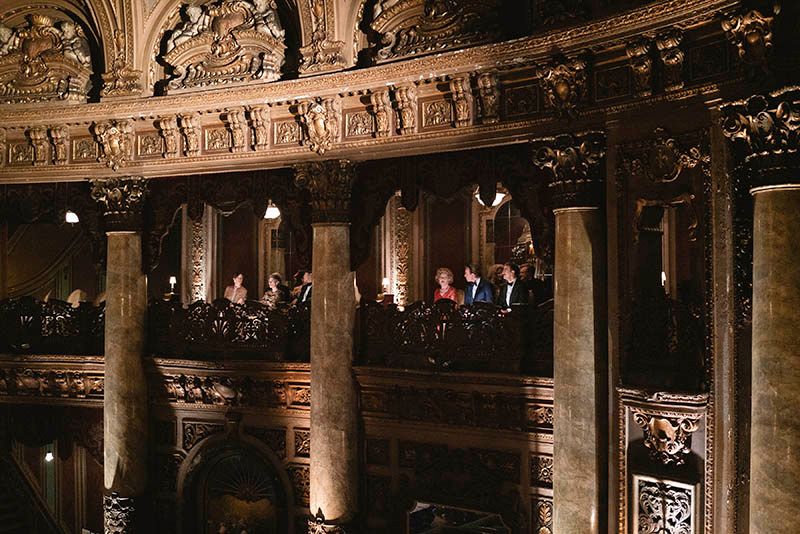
(444,277)
(514,290)
(495,277)
(478,289)
(304,295)
(526,277)
(236,293)
(276,293)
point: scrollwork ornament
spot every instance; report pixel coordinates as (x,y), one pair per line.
(59,137)
(259,121)
(382,109)
(119,514)
(122,200)
(235,123)
(574,164)
(668,45)
(320,119)
(189,130)
(489,97)
(765,133)
(641,63)
(751,33)
(564,84)
(115,139)
(667,437)
(406,96)
(38,140)
(462,100)
(169,132)
(330,183)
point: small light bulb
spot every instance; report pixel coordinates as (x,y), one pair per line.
(663,279)
(173,280)
(71,217)
(48,456)
(272,212)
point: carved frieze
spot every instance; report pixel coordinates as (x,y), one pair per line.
(320,119)
(765,133)
(751,33)
(300,475)
(194,433)
(217,139)
(540,415)
(302,443)
(43,60)
(38,139)
(259,122)
(382,109)
(641,63)
(664,158)
(521,100)
(413,27)
(564,84)
(116,141)
(274,438)
(122,200)
(224,42)
(20,153)
(150,144)
(664,506)
(489,97)
(359,124)
(288,132)
(50,383)
(59,139)
(542,509)
(236,125)
(437,113)
(189,130)
(668,45)
(330,183)
(667,437)
(169,133)
(462,100)
(406,96)
(119,514)
(541,470)
(575,167)
(84,149)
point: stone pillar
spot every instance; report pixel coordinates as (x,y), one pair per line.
(125,400)
(766,139)
(334,412)
(575,168)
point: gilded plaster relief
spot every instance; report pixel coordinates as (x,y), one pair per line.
(43,60)
(224,42)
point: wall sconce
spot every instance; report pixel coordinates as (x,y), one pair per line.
(272,212)
(172,281)
(71,217)
(498,198)
(48,456)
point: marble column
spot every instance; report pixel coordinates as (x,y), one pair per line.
(575,169)
(125,398)
(769,165)
(334,411)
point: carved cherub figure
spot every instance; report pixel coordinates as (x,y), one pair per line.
(266,19)
(196,21)
(8,39)
(74,44)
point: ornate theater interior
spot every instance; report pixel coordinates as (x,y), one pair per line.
(399,266)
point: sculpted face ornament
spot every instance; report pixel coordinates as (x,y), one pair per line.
(321,121)
(564,84)
(668,438)
(115,141)
(752,35)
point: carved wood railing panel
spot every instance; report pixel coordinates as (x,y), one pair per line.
(469,338)
(31,326)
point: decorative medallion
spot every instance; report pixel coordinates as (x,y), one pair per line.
(751,33)
(115,138)
(320,119)
(564,83)
(224,42)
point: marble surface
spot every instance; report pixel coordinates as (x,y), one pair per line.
(579,383)
(125,403)
(775,432)
(334,412)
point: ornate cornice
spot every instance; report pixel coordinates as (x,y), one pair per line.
(765,133)
(575,168)
(330,183)
(122,200)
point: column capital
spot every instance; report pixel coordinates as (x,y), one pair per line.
(575,167)
(122,200)
(330,183)
(765,133)
(119,514)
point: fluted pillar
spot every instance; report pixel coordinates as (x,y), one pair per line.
(334,413)
(765,136)
(125,398)
(580,391)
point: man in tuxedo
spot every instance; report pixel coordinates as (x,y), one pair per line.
(305,290)
(514,290)
(478,289)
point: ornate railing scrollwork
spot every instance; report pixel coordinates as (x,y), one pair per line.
(442,335)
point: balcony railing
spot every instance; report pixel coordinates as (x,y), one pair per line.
(443,335)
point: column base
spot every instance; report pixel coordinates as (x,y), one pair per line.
(119,514)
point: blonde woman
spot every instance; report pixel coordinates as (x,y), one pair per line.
(444,277)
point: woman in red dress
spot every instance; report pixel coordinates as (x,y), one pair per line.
(444,277)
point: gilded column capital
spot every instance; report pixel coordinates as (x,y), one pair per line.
(330,183)
(575,165)
(765,133)
(122,200)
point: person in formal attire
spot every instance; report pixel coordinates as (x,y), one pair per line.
(236,293)
(478,289)
(514,290)
(304,295)
(444,277)
(276,292)
(526,277)
(495,277)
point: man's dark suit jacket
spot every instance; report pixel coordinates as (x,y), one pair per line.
(483,294)
(519,294)
(302,291)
